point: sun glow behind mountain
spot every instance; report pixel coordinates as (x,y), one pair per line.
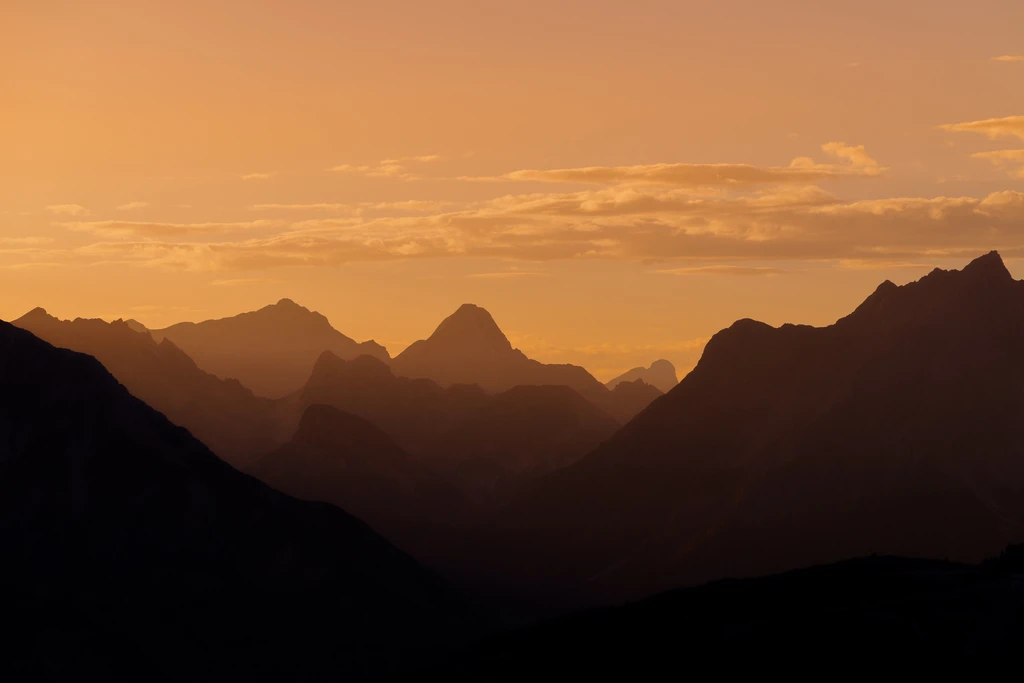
(615,184)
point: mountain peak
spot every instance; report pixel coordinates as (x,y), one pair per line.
(990,266)
(471,326)
(287,303)
(36,314)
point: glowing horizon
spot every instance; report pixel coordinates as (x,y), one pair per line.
(613,183)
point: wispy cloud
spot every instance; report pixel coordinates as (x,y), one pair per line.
(1009,58)
(319,206)
(1009,160)
(649,226)
(257,176)
(68,210)
(131,206)
(148,229)
(243,281)
(25,241)
(800,170)
(1008,126)
(726,270)
(509,274)
(387,168)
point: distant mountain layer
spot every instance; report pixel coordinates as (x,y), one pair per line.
(223,414)
(661,374)
(517,436)
(468,347)
(486,445)
(130,550)
(345,460)
(271,351)
(894,431)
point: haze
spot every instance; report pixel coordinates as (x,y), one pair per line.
(615,182)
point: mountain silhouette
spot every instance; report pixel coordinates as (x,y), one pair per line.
(222,414)
(468,347)
(412,412)
(271,351)
(135,325)
(517,436)
(130,550)
(628,399)
(893,431)
(345,460)
(661,374)
(873,611)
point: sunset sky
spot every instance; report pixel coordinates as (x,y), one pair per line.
(614,181)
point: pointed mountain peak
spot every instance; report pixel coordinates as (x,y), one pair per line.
(37,314)
(471,326)
(988,266)
(287,303)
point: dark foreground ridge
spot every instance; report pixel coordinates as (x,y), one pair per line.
(874,612)
(131,551)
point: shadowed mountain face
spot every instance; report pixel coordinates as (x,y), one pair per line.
(628,399)
(271,350)
(517,436)
(223,414)
(895,430)
(486,445)
(411,412)
(873,611)
(131,550)
(342,459)
(469,348)
(661,374)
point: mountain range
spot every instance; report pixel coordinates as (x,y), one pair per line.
(130,550)
(134,547)
(661,375)
(270,351)
(894,431)
(223,414)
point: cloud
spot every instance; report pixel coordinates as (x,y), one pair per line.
(131,206)
(146,229)
(1008,126)
(1009,58)
(387,168)
(320,206)
(68,210)
(510,274)
(257,176)
(242,281)
(1009,160)
(408,205)
(726,270)
(25,241)
(800,170)
(653,226)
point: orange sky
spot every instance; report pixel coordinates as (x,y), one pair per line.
(614,181)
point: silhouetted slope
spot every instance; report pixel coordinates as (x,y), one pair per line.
(223,414)
(412,412)
(628,399)
(867,612)
(271,350)
(516,436)
(469,348)
(895,430)
(342,459)
(131,550)
(661,374)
